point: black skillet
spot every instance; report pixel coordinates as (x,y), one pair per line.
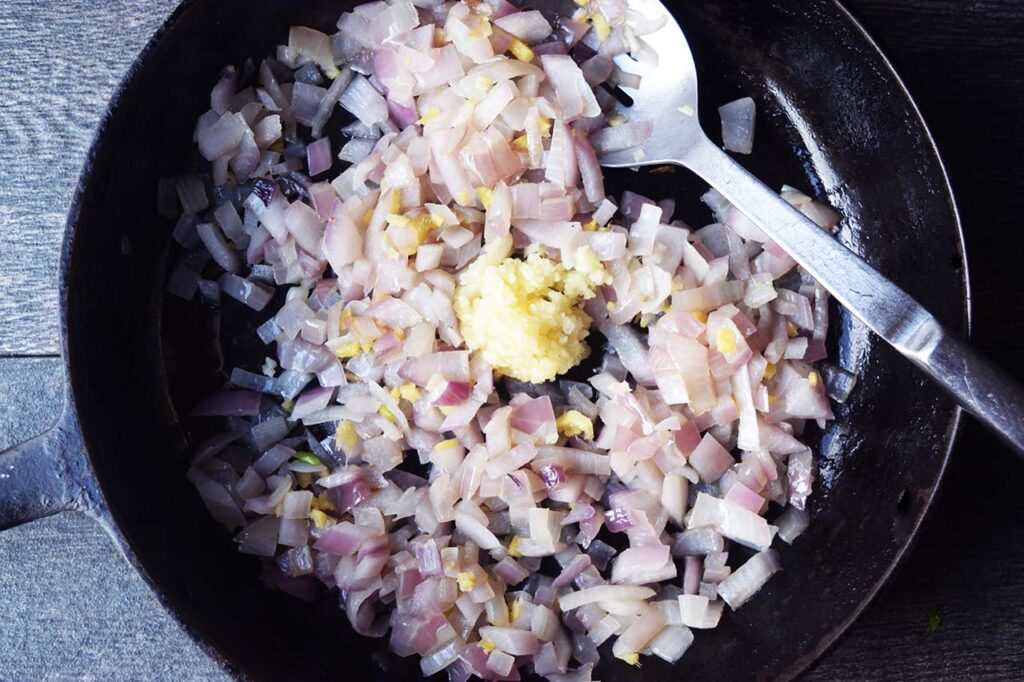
(835,120)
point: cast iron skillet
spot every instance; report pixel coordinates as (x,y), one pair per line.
(834,119)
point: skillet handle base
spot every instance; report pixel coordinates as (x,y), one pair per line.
(37,479)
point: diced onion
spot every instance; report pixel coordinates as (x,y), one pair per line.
(389,444)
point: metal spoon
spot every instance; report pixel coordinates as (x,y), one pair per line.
(667,97)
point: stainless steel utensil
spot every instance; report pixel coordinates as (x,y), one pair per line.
(667,97)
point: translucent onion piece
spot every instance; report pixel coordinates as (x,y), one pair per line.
(746,580)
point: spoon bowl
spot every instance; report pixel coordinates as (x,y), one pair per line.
(666,100)
(665,103)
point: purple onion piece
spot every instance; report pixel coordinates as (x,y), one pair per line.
(228,404)
(618,519)
(553,476)
(600,554)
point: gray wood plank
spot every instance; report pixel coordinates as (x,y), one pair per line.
(72,608)
(30,400)
(953,610)
(62,61)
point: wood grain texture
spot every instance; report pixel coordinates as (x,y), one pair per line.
(963,62)
(62,61)
(953,611)
(72,610)
(75,610)
(31,398)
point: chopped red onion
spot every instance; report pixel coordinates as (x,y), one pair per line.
(746,580)
(618,138)
(343,539)
(732,521)
(313,400)
(214,241)
(260,536)
(296,562)
(371,347)
(512,572)
(272,459)
(529,26)
(183,282)
(512,641)
(800,474)
(365,103)
(642,565)
(691,575)
(554,476)
(244,291)
(218,500)
(212,446)
(792,523)
(268,432)
(629,347)
(191,193)
(738,125)
(291,382)
(440,659)
(303,356)
(293,532)
(221,137)
(318,156)
(697,611)
(746,498)
(839,382)
(671,643)
(710,459)
(185,231)
(699,541)
(571,570)
(574,95)
(228,404)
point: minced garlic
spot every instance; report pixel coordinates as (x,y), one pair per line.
(575,423)
(524,315)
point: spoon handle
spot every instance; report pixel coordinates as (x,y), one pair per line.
(979,387)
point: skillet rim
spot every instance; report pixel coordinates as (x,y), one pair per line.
(104,515)
(828,640)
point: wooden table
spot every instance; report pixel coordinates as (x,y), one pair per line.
(71,609)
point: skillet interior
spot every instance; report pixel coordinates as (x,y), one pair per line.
(832,119)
